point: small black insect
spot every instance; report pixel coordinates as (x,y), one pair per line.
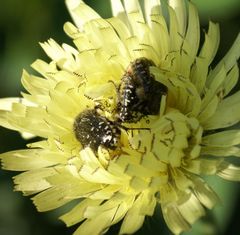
(139,93)
(93,130)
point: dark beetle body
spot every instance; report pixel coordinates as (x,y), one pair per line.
(139,93)
(92,130)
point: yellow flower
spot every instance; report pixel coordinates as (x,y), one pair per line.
(161,158)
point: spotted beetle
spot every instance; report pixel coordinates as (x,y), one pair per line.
(92,130)
(139,94)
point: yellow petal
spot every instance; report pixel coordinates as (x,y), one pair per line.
(199,74)
(190,208)
(214,85)
(229,171)
(134,218)
(211,43)
(231,79)
(203,166)
(208,111)
(192,39)
(29,159)
(63,58)
(233,54)
(181,181)
(135,17)
(174,219)
(60,195)
(152,7)
(121,29)
(180,10)
(159,27)
(80,12)
(139,184)
(222,139)
(230,59)
(44,68)
(76,215)
(105,216)
(204,193)
(33,180)
(119,12)
(227,113)
(176,37)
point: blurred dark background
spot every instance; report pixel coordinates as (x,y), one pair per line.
(25,23)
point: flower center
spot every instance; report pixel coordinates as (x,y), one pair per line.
(174,139)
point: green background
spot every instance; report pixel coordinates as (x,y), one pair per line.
(23,24)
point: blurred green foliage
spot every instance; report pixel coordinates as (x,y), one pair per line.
(25,23)
(218,8)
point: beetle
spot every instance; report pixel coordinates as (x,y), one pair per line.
(139,94)
(92,129)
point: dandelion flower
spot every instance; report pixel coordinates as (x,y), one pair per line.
(160,158)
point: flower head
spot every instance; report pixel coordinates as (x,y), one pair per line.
(154,150)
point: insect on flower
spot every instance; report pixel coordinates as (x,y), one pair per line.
(139,93)
(93,130)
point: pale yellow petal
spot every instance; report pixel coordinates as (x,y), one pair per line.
(29,159)
(159,27)
(102,35)
(208,111)
(176,38)
(192,39)
(203,166)
(106,192)
(180,9)
(174,219)
(137,170)
(228,171)
(133,6)
(139,184)
(61,194)
(231,80)
(134,218)
(211,43)
(152,7)
(71,30)
(221,151)
(204,193)
(227,113)
(181,181)
(102,217)
(190,208)
(35,85)
(199,74)
(168,194)
(119,12)
(80,12)
(93,171)
(76,215)
(233,54)
(214,86)
(121,29)
(44,68)
(63,58)
(33,180)
(135,16)
(230,59)
(6,103)
(222,139)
